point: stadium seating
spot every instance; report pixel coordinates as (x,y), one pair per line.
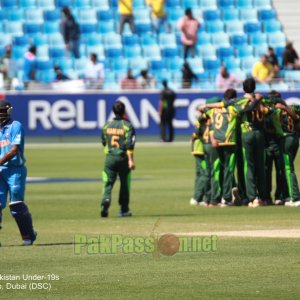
(232,32)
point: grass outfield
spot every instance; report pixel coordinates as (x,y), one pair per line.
(244,267)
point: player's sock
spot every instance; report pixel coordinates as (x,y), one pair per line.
(21,214)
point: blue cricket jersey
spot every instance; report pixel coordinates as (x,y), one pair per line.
(12,134)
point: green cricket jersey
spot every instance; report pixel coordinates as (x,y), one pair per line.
(224,122)
(118,137)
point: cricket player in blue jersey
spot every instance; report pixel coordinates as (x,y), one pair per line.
(13,173)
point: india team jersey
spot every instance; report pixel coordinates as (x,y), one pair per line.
(224,124)
(118,137)
(12,134)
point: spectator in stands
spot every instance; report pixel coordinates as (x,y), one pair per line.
(129,82)
(94,73)
(60,76)
(273,60)
(159,18)
(70,32)
(7,68)
(187,76)
(290,58)
(188,26)
(225,80)
(263,71)
(126,16)
(145,81)
(29,66)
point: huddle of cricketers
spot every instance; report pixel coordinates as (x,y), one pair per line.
(235,142)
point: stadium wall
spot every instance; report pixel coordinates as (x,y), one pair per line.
(84,114)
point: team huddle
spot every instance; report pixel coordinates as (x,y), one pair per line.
(243,137)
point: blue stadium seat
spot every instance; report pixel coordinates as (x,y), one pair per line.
(120,66)
(14,28)
(223,4)
(262,4)
(15,14)
(196,65)
(174,65)
(113,53)
(167,40)
(42,52)
(225,52)
(39,40)
(260,50)
(280,86)
(98,49)
(34,16)
(114,3)
(258,39)
(232,64)
(189,3)
(63,3)
(142,28)
(152,52)
(106,27)
(266,15)
(252,28)
(272,26)
(138,4)
(170,52)
(211,15)
(43,65)
(220,39)
(104,15)
(203,38)
(132,51)
(81,4)
(279,51)
(238,40)
(94,40)
(56,40)
(32,28)
(248,15)
(242,4)
(141,15)
(21,41)
(262,87)
(87,16)
(9,4)
(57,52)
(100,4)
(148,39)
(244,51)
(112,41)
(212,66)
(46,4)
(277,39)
(157,65)
(172,3)
(18,52)
(174,14)
(47,76)
(27,4)
(214,26)
(230,14)
(5,39)
(292,75)
(247,63)
(130,39)
(234,27)
(52,15)
(66,64)
(51,27)
(138,64)
(87,29)
(207,51)
(208,4)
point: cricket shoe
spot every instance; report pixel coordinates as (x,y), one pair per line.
(105,206)
(279,202)
(225,203)
(256,203)
(194,202)
(203,203)
(290,204)
(297,204)
(236,199)
(125,214)
(30,242)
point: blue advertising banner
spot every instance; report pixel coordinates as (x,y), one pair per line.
(85,114)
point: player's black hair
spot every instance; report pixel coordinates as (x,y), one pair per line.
(249,85)
(119,108)
(230,94)
(274,94)
(165,83)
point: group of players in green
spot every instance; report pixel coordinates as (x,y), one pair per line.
(246,134)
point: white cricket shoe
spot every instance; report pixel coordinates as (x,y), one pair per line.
(194,202)
(289,203)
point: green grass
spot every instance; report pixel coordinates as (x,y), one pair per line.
(241,268)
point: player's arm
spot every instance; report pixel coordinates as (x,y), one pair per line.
(289,111)
(201,108)
(214,141)
(130,143)
(9,155)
